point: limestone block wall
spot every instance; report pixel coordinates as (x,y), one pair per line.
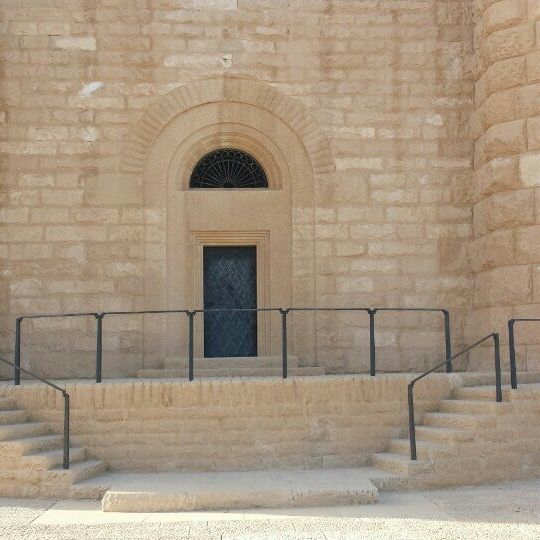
(505,252)
(386,81)
(235,424)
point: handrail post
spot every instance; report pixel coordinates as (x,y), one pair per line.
(447,340)
(284,358)
(372,351)
(498,385)
(99,345)
(412,426)
(512,348)
(191,320)
(16,371)
(65,463)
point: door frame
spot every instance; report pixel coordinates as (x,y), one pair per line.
(261,241)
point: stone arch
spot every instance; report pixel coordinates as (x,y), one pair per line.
(227,89)
(278,131)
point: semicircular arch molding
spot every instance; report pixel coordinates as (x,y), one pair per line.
(227,89)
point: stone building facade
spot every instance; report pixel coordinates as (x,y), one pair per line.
(400,138)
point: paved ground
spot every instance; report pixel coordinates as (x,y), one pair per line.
(503,511)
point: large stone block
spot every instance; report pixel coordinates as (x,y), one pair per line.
(533,66)
(72,233)
(528,245)
(62,197)
(536,284)
(215,4)
(13,215)
(504,14)
(499,174)
(504,210)
(506,286)
(533,133)
(499,107)
(529,168)
(492,250)
(533,10)
(49,215)
(528,101)
(503,44)
(112,190)
(505,74)
(82,43)
(501,140)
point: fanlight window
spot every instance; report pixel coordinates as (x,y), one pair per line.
(228,168)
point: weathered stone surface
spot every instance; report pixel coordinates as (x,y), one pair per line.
(502,140)
(528,245)
(118,190)
(499,174)
(304,422)
(529,168)
(503,44)
(492,250)
(504,14)
(509,285)
(366,132)
(533,133)
(83,43)
(504,210)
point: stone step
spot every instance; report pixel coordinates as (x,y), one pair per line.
(473,406)
(168,492)
(18,431)
(399,464)
(525,392)
(423,448)
(443,435)
(231,362)
(7,404)
(32,445)
(478,393)
(13,416)
(488,378)
(53,458)
(459,420)
(78,472)
(226,373)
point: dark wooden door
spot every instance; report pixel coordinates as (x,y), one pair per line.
(230,281)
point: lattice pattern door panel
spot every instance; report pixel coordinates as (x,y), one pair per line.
(230,281)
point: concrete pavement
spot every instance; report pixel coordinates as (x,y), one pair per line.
(503,511)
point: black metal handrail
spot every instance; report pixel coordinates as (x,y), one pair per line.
(512,348)
(65,395)
(284,312)
(410,388)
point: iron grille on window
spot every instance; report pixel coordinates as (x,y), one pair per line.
(228,168)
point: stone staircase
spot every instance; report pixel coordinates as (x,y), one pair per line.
(471,439)
(256,366)
(31,458)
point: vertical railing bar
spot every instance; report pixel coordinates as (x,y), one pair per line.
(65,463)
(498,383)
(372,349)
(447,340)
(284,346)
(412,426)
(512,349)
(99,345)
(17,371)
(191,320)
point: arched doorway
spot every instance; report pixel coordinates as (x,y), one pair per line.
(229,272)
(219,115)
